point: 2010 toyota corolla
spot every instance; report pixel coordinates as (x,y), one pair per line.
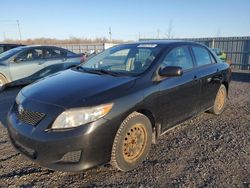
(112,107)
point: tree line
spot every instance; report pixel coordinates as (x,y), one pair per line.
(71,40)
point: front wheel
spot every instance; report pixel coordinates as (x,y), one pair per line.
(220,101)
(132,142)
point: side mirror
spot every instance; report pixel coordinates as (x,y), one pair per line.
(13,60)
(18,60)
(171,71)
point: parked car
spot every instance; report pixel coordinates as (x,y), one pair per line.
(222,55)
(5,47)
(112,107)
(26,64)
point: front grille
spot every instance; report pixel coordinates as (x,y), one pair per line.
(29,117)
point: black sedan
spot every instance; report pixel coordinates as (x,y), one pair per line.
(5,47)
(111,108)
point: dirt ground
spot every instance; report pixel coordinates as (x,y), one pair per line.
(206,151)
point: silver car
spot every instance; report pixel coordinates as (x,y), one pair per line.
(26,64)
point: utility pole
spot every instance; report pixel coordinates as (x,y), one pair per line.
(170,30)
(18,27)
(4,36)
(158,33)
(19,31)
(110,35)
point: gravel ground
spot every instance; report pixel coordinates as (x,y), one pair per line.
(206,151)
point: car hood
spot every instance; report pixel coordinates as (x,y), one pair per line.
(71,89)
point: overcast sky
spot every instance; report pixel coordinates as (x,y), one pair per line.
(128,19)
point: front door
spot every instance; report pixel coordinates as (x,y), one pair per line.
(26,65)
(178,98)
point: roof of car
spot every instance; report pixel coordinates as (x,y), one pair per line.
(32,46)
(164,42)
(29,46)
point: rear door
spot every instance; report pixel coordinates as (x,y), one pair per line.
(26,65)
(178,98)
(209,74)
(55,59)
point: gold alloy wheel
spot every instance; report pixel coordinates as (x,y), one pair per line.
(134,143)
(221,99)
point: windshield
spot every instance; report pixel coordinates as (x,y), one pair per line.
(124,59)
(9,53)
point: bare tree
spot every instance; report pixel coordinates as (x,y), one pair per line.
(70,40)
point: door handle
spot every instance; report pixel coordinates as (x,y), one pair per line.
(209,79)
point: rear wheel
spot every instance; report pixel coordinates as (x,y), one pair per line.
(2,83)
(220,101)
(132,142)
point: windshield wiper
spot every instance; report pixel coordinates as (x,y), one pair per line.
(98,71)
(109,72)
(93,71)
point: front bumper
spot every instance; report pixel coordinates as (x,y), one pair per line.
(76,149)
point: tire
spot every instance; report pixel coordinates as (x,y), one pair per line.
(2,83)
(220,101)
(132,142)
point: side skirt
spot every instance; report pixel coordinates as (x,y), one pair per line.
(158,128)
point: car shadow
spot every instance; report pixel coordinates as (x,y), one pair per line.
(22,172)
(7,98)
(241,76)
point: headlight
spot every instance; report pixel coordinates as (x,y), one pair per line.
(76,117)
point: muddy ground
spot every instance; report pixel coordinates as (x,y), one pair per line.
(206,151)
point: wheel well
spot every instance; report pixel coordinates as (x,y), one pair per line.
(149,114)
(155,128)
(226,85)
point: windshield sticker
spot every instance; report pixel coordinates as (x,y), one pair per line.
(147,46)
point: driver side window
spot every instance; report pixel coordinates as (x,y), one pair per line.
(179,56)
(30,55)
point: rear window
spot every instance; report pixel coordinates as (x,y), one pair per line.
(54,53)
(70,54)
(202,56)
